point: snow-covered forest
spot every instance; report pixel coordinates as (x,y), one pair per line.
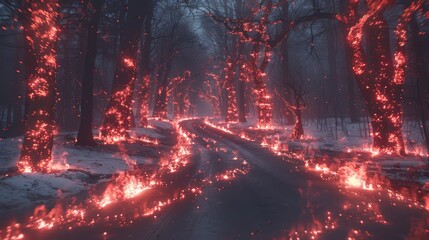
(214,119)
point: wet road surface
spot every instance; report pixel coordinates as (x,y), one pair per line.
(238,190)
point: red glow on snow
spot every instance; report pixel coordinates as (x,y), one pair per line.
(125,186)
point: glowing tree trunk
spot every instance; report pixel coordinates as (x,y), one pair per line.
(241,86)
(298,129)
(241,105)
(166,89)
(211,95)
(263,99)
(117,119)
(41,35)
(385,107)
(181,102)
(256,32)
(84,136)
(185,105)
(241,100)
(177,104)
(296,110)
(263,102)
(232,112)
(380,79)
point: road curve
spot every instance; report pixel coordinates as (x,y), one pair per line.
(276,199)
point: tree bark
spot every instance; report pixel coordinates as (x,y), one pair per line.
(146,49)
(231,112)
(354,116)
(383,100)
(263,99)
(242,100)
(241,86)
(41,37)
(420,74)
(160,109)
(85,136)
(117,119)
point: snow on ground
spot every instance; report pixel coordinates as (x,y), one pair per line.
(347,138)
(162,124)
(148,132)
(75,168)
(89,160)
(9,152)
(30,188)
(344,141)
(92,161)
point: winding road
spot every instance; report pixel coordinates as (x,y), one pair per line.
(243,191)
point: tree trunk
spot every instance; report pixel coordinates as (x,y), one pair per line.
(285,71)
(298,129)
(160,110)
(263,102)
(38,139)
(241,100)
(84,136)
(231,113)
(384,98)
(117,120)
(354,116)
(9,116)
(2,118)
(17,124)
(420,74)
(332,83)
(241,87)
(144,108)
(263,99)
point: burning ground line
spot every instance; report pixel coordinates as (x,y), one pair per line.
(126,185)
(352,175)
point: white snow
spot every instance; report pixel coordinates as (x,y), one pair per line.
(29,188)
(73,165)
(329,139)
(92,161)
(161,124)
(87,160)
(9,152)
(147,132)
